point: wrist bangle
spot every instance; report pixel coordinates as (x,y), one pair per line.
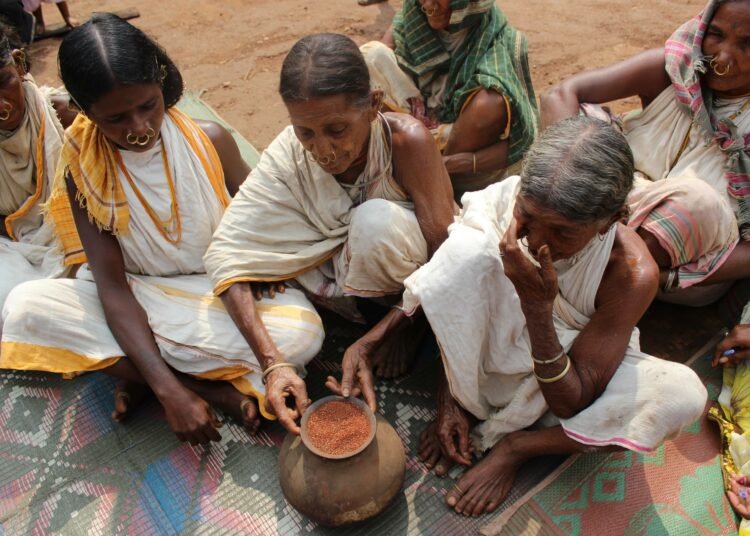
(474,163)
(277,366)
(672,281)
(548,361)
(554,378)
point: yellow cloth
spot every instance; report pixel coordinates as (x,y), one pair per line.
(89,158)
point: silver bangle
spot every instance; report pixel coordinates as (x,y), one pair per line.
(548,361)
(672,281)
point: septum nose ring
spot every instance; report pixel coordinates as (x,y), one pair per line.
(133,139)
(5,114)
(713,64)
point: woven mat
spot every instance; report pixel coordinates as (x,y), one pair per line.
(677,490)
(67,468)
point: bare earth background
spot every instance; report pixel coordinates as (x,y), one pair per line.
(234,48)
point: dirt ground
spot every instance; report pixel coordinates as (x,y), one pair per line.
(234,48)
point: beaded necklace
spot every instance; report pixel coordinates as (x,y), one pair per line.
(169,230)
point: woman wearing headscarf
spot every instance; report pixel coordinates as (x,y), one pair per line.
(691,143)
(460,67)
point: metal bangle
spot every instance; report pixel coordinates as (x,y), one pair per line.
(548,361)
(554,378)
(277,366)
(672,281)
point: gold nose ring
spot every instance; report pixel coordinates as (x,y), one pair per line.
(327,159)
(141,141)
(713,64)
(5,115)
(429,12)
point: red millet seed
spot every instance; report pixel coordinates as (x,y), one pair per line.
(338,427)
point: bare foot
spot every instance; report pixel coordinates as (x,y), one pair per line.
(72,23)
(430,452)
(128,396)
(482,488)
(230,401)
(394,356)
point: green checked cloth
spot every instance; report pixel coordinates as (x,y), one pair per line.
(494,55)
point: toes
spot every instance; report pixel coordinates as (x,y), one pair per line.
(444,465)
(250,416)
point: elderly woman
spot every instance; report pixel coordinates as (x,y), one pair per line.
(463,70)
(693,130)
(140,190)
(346,202)
(542,329)
(30,142)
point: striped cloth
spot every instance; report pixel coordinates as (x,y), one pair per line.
(88,157)
(685,62)
(493,56)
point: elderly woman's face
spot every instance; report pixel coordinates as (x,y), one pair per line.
(539,225)
(727,40)
(12,101)
(438,13)
(130,114)
(333,129)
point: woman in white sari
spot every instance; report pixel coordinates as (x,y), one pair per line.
(30,143)
(346,202)
(140,190)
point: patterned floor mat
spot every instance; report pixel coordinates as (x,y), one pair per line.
(68,468)
(677,490)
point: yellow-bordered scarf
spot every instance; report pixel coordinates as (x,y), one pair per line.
(88,157)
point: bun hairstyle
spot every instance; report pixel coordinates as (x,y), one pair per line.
(106,52)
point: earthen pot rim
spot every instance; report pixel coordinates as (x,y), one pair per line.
(351,400)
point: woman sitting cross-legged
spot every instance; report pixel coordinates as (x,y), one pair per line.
(541,330)
(30,142)
(346,202)
(140,191)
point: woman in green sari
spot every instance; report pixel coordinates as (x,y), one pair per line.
(463,70)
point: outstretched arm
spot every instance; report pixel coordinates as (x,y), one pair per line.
(235,168)
(643,75)
(281,383)
(189,416)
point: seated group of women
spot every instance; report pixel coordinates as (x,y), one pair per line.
(194,277)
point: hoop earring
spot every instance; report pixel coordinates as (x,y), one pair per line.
(713,64)
(524,241)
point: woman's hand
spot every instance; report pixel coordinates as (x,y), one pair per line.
(269,288)
(739,495)
(453,427)
(191,418)
(736,343)
(536,287)
(281,384)
(356,375)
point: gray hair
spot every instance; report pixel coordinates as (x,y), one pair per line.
(580,167)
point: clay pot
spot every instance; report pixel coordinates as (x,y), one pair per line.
(345,491)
